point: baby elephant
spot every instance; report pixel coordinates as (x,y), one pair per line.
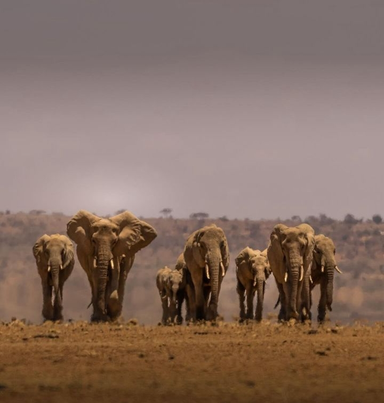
(252,270)
(171,285)
(55,260)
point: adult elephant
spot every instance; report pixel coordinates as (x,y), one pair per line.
(323,267)
(106,249)
(55,260)
(290,255)
(206,255)
(252,271)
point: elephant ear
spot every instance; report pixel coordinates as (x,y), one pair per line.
(38,248)
(79,228)
(275,251)
(225,252)
(242,256)
(134,234)
(308,254)
(267,269)
(69,254)
(196,248)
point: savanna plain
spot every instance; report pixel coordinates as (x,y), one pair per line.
(221,362)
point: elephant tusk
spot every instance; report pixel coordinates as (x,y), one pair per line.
(207,271)
(222,269)
(61,267)
(49,268)
(301,273)
(338,270)
(322,268)
(286,277)
(254,281)
(95,262)
(112,266)
(310,279)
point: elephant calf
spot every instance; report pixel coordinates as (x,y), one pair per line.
(323,267)
(252,271)
(55,260)
(171,286)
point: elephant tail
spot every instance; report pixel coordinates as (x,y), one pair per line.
(277,303)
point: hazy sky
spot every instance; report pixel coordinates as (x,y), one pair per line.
(257,109)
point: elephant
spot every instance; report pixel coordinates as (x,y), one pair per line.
(323,266)
(55,260)
(252,271)
(290,255)
(106,249)
(206,255)
(171,286)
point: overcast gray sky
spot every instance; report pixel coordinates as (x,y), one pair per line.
(257,109)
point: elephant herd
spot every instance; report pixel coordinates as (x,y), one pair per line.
(297,258)
(106,249)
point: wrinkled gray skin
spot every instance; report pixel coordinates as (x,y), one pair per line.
(252,271)
(323,267)
(106,249)
(55,259)
(206,255)
(170,282)
(290,256)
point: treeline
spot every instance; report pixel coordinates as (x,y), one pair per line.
(359,291)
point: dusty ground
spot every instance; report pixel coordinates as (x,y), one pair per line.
(225,363)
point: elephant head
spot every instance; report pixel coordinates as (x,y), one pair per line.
(55,260)
(102,243)
(290,254)
(207,258)
(325,264)
(253,270)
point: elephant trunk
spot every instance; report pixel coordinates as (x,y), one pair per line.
(215,273)
(260,299)
(329,293)
(294,276)
(102,264)
(54,267)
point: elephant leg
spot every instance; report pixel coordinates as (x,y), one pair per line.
(58,307)
(241,292)
(321,309)
(115,308)
(250,296)
(190,303)
(180,300)
(47,301)
(164,305)
(197,279)
(283,302)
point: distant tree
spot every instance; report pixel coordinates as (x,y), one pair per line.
(166,212)
(7,212)
(224,218)
(37,212)
(376,218)
(296,218)
(199,216)
(350,219)
(324,219)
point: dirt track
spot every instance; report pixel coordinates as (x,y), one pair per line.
(225,363)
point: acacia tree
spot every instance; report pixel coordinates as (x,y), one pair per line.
(166,212)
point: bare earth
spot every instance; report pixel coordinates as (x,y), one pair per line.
(227,362)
